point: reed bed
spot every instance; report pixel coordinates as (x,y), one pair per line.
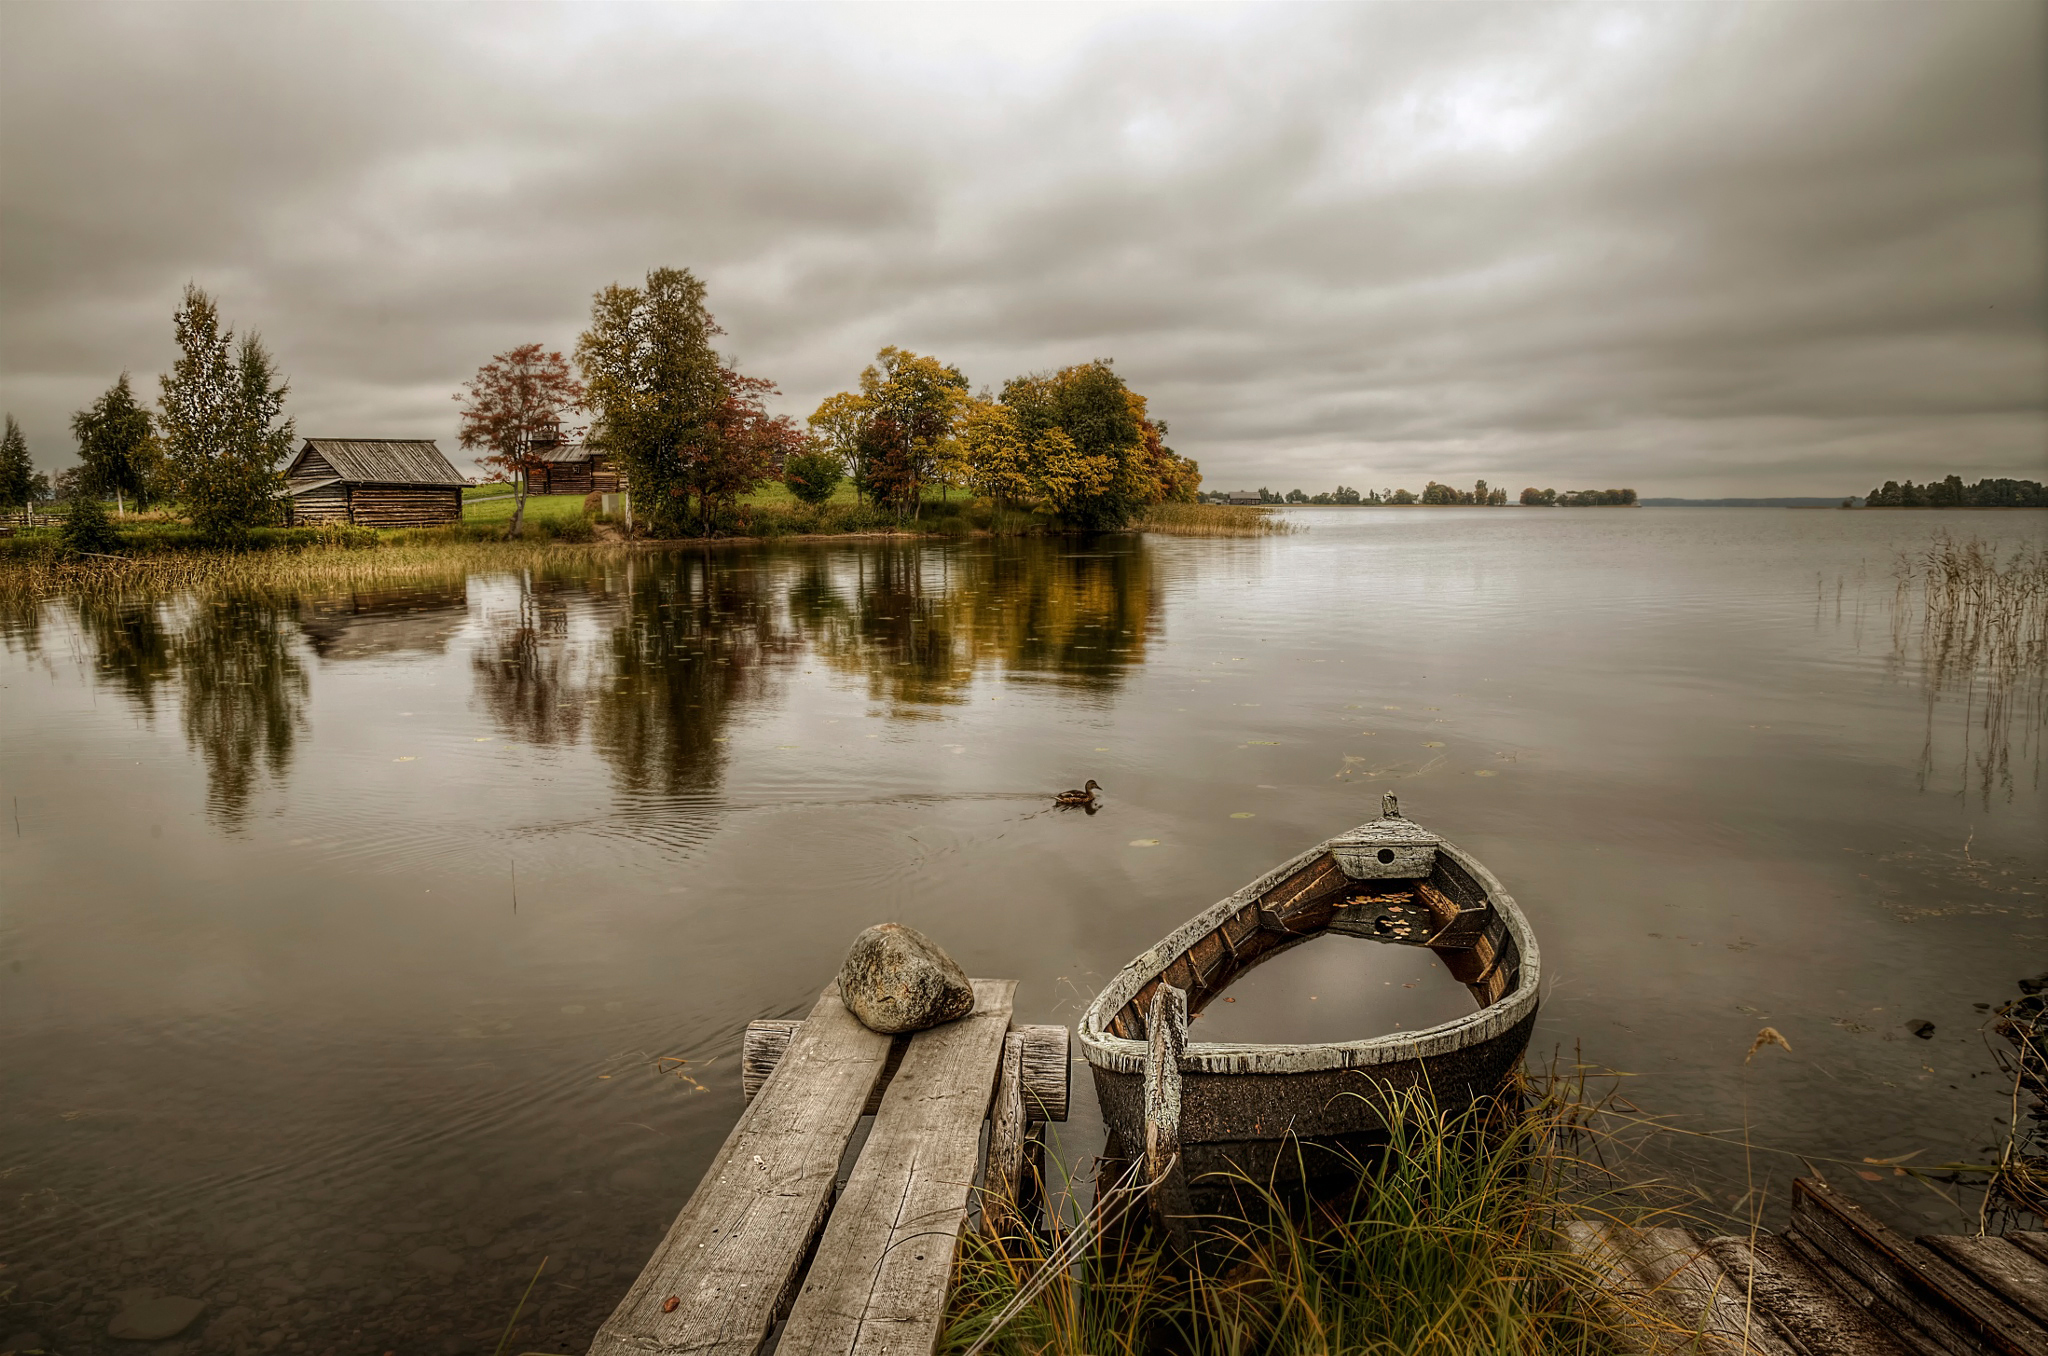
(1444,1249)
(1970,620)
(1212,520)
(105,577)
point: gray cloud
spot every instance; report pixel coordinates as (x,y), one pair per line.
(1696,249)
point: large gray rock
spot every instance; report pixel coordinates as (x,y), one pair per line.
(897,979)
(152,1320)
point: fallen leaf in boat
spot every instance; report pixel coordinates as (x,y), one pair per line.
(1144,842)
(483,739)
(1229,999)
(1486,772)
(1244,814)
(670,1305)
(1768,1036)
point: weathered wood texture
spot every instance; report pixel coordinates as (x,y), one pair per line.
(404,505)
(1955,1311)
(2004,1268)
(733,1253)
(1819,1319)
(1673,1292)
(1165,1165)
(1003,1181)
(878,1284)
(1047,1064)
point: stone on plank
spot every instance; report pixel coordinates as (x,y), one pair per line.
(896,979)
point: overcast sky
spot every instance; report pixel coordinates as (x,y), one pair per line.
(1692,248)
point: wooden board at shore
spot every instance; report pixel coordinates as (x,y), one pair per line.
(879,1282)
(720,1278)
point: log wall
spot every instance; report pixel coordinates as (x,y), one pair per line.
(404,505)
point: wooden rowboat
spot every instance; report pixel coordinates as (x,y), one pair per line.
(1193,1110)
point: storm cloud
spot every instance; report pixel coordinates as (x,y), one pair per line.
(1698,249)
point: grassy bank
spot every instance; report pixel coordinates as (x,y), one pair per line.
(1445,1249)
(162,552)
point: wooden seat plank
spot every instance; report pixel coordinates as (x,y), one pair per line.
(734,1252)
(879,1282)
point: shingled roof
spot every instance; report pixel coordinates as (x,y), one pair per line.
(382,461)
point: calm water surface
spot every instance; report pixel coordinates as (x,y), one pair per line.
(343,935)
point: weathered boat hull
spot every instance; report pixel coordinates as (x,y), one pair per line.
(1216,1110)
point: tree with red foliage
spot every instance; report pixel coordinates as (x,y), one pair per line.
(513,408)
(749,445)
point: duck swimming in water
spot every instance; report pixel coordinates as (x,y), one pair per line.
(1084,796)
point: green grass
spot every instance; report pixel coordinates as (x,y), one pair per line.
(548,508)
(1444,1249)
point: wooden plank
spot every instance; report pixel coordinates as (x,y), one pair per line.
(2031,1242)
(2021,1280)
(1599,1252)
(1819,1319)
(885,1259)
(1001,1184)
(1863,1297)
(733,1254)
(1687,1280)
(1959,1314)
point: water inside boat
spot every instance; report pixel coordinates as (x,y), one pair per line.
(1334,988)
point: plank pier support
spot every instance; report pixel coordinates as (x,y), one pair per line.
(766,1239)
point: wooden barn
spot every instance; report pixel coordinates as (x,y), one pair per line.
(373,482)
(576,468)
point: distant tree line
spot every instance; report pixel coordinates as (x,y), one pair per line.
(1951,492)
(1536,498)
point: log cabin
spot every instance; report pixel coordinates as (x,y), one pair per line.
(373,482)
(575,468)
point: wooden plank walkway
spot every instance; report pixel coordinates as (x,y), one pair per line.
(864,1266)
(1838,1282)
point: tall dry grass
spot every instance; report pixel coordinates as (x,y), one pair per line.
(1970,622)
(1212,520)
(1446,1248)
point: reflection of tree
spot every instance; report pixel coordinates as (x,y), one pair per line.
(919,621)
(528,674)
(696,640)
(133,650)
(245,695)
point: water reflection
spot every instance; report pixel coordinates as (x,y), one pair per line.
(418,619)
(244,695)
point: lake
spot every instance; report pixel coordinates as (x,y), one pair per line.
(360,948)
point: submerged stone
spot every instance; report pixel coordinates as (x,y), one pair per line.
(896,979)
(152,1320)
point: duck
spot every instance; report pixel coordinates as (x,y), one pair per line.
(1084,796)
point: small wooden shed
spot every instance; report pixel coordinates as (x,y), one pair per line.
(576,468)
(373,482)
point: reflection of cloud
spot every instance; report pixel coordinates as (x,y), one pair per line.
(362,623)
(1707,248)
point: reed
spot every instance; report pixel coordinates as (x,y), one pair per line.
(1212,520)
(1444,1249)
(1970,622)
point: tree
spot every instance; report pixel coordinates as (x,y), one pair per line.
(694,434)
(999,458)
(17,472)
(1536,498)
(1108,473)
(836,431)
(221,407)
(117,447)
(1434,493)
(1400,497)
(921,399)
(812,475)
(513,409)
(87,528)
(1297,497)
